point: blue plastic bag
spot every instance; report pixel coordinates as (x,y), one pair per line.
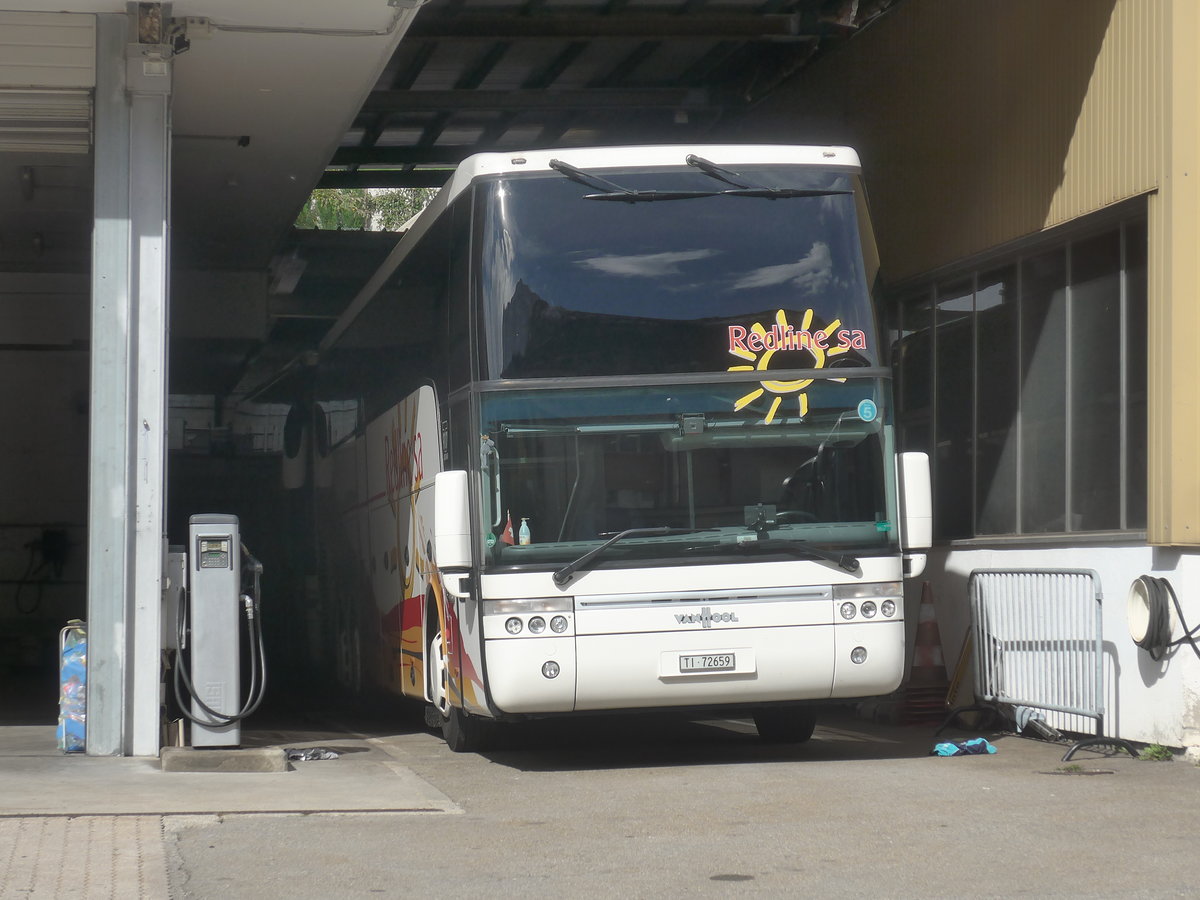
(71,733)
(972,747)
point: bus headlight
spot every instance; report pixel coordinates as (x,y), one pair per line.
(848,610)
(527,606)
(513,625)
(558,624)
(537,625)
(868,609)
(888,608)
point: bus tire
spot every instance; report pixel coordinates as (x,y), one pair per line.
(433,717)
(785,724)
(465,733)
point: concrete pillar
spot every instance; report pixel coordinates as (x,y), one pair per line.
(149,85)
(128,391)
(109,550)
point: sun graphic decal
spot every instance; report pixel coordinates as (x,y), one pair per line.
(759,345)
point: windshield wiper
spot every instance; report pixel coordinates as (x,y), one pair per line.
(563,575)
(801,548)
(610,190)
(613,191)
(745,188)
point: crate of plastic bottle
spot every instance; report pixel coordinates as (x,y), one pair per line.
(72,687)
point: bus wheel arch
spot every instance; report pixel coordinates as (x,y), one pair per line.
(462,732)
(436,674)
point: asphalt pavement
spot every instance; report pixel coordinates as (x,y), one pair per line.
(631,806)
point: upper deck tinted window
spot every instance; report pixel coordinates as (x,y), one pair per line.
(573,286)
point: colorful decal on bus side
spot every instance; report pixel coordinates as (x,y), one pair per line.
(758,345)
(405,476)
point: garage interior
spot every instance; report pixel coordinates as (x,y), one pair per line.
(263,113)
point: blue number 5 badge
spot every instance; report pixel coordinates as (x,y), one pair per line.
(867,410)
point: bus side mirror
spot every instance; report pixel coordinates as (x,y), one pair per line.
(916,502)
(451,521)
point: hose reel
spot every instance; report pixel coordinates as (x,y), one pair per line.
(1148,613)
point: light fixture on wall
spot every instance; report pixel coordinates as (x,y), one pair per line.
(45,121)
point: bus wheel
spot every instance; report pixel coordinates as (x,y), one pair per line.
(463,733)
(433,717)
(785,724)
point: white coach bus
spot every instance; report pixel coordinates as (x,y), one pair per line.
(621,439)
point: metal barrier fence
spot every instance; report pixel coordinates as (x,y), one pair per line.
(1039,643)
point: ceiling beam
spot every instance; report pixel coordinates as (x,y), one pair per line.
(594,98)
(558,26)
(404,156)
(417,178)
(442,159)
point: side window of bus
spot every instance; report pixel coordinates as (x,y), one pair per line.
(458,294)
(459,446)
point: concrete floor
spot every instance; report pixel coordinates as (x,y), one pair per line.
(630,806)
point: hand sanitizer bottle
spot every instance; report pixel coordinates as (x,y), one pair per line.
(523,534)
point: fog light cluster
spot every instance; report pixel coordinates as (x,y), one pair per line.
(515,625)
(868,600)
(868,609)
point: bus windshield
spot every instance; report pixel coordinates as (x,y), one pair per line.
(571,467)
(574,284)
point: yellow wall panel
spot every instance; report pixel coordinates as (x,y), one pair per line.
(984,121)
(1174,476)
(981,122)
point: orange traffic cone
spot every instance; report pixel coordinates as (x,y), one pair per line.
(925,694)
(929,665)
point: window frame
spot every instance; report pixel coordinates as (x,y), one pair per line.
(921,296)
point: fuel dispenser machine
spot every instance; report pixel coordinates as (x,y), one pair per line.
(222,586)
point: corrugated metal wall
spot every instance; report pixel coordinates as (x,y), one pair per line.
(981,122)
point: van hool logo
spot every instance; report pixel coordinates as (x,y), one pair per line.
(759,345)
(705,617)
